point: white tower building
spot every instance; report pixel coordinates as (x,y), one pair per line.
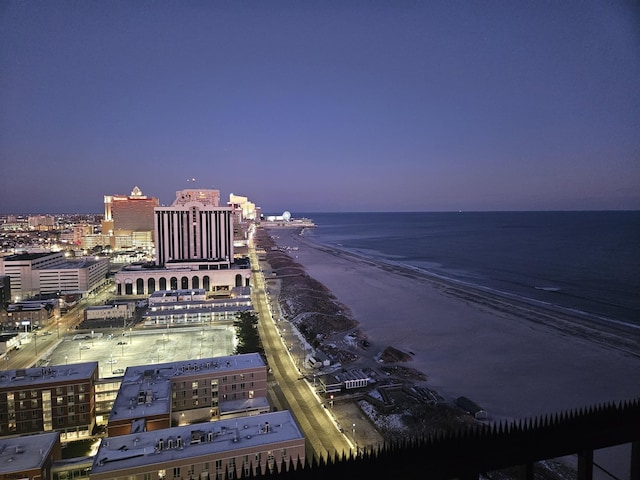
(194,231)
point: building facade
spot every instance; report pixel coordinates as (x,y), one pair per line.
(51,273)
(194,230)
(140,281)
(196,309)
(205,451)
(58,398)
(178,393)
(128,219)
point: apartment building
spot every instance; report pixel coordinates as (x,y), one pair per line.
(59,398)
(29,457)
(205,451)
(154,397)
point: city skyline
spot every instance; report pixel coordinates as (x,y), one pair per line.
(356,106)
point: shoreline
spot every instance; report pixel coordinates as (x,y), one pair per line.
(515,359)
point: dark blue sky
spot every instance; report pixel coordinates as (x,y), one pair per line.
(322,106)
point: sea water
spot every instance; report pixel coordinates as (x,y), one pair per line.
(586,262)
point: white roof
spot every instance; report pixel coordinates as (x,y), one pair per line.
(23,377)
(155,382)
(200,439)
(18,454)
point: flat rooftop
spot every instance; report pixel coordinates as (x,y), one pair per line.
(146,389)
(27,256)
(18,454)
(178,293)
(189,367)
(192,441)
(42,375)
(72,264)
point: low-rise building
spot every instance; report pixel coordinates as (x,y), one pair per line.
(117,311)
(58,398)
(196,310)
(29,313)
(153,397)
(204,451)
(29,457)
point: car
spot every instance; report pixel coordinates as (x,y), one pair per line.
(122,343)
(118,371)
(85,347)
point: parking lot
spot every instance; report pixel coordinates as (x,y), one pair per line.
(116,351)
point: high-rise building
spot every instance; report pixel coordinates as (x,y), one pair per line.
(194,230)
(129,216)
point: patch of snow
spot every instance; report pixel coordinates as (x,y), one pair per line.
(385,422)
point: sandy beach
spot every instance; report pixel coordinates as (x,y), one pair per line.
(513,365)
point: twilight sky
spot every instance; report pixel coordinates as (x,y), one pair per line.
(315,106)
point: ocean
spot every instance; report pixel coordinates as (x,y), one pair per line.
(586,262)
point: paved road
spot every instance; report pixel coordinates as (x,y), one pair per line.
(289,390)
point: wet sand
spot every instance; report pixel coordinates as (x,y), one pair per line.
(514,360)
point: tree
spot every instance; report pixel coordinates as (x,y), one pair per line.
(246,324)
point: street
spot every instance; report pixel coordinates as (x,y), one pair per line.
(289,390)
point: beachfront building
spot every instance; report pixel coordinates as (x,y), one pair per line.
(154,397)
(29,457)
(51,273)
(140,280)
(194,249)
(57,398)
(195,230)
(238,447)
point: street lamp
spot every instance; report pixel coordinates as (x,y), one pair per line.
(353,431)
(66,358)
(80,351)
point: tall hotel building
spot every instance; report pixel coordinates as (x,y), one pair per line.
(194,249)
(194,229)
(128,219)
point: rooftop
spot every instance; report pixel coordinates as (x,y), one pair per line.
(42,375)
(190,441)
(146,390)
(29,256)
(75,264)
(178,293)
(18,454)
